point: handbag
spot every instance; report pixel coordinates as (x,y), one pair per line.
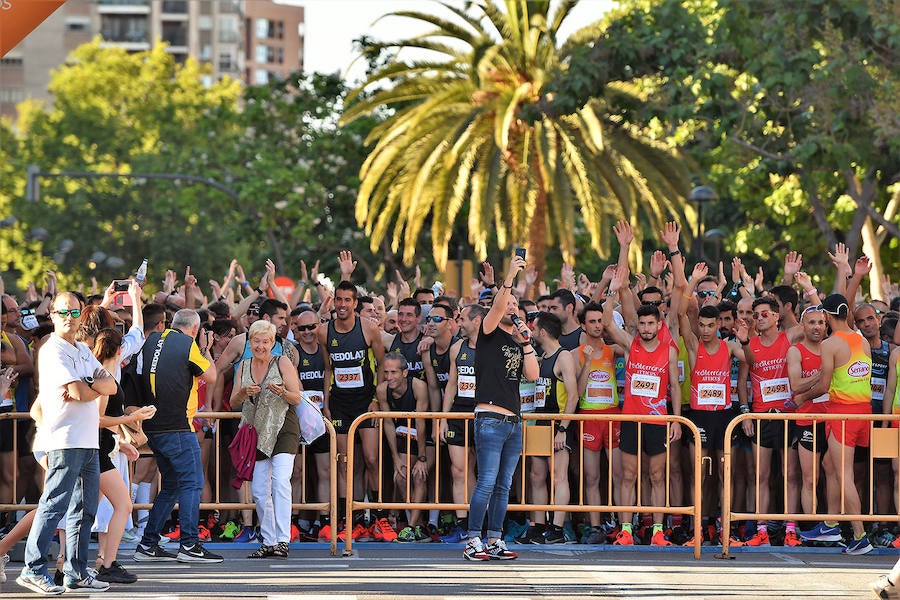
(312,423)
(134,434)
(242,450)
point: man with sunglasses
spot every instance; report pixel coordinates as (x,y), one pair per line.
(68,418)
(846,378)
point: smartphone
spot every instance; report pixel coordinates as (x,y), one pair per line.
(120,327)
(121,285)
(520,252)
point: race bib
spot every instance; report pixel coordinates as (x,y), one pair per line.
(317,398)
(775,390)
(680,371)
(526,396)
(348,377)
(465,386)
(646,386)
(711,394)
(403,431)
(821,399)
(540,396)
(878,385)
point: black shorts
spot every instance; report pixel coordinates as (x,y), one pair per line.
(106,463)
(802,435)
(413,449)
(343,413)
(456,429)
(711,425)
(653,438)
(6,430)
(771,434)
(321,445)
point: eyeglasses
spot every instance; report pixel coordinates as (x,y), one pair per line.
(435,319)
(656,303)
(306,327)
(763,314)
(75,312)
(707,293)
(531,315)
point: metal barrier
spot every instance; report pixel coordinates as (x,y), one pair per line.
(331,506)
(883,443)
(534,447)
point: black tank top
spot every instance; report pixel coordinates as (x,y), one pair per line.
(115,407)
(571,340)
(465,378)
(311,370)
(546,398)
(441,365)
(410,351)
(498,369)
(351,363)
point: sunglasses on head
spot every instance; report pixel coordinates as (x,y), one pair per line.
(531,315)
(75,312)
(306,327)
(435,319)
(809,309)
(706,293)
(763,314)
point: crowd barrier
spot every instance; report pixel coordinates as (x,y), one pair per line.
(884,443)
(537,441)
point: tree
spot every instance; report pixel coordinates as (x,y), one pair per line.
(459,141)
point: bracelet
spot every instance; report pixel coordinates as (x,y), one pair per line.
(674,253)
(744,342)
(221,297)
(744,409)
(493,285)
(811,293)
(245,284)
(258,291)
(527,353)
(849,277)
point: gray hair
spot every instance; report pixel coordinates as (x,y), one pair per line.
(186,319)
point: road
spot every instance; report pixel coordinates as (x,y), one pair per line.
(438,572)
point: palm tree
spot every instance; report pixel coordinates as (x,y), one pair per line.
(456,141)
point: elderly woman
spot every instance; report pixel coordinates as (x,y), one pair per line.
(272,386)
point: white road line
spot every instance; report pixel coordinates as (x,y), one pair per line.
(309,597)
(788,559)
(308,565)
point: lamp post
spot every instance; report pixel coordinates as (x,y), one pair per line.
(700,195)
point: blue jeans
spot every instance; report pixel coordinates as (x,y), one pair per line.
(72,488)
(498,445)
(177,455)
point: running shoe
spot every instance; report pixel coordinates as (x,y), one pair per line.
(357,532)
(533,535)
(325,533)
(152,553)
(41,584)
(212,519)
(295,533)
(407,534)
(514,529)
(59,578)
(569,532)
(129,538)
(659,539)
(860,546)
(624,538)
(760,538)
(475,550)
(884,539)
(87,584)
(447,523)
(791,539)
(3,560)
(203,533)
(499,551)
(247,535)
(553,535)
(116,573)
(230,530)
(175,534)
(197,554)
(311,534)
(822,533)
(883,588)
(456,535)
(382,531)
(896,542)
(423,534)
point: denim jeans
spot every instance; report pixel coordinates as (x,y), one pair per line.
(498,445)
(72,488)
(177,455)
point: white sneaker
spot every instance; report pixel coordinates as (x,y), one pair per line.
(3,560)
(88,584)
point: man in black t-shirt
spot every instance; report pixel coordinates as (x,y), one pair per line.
(503,354)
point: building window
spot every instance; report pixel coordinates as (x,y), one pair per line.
(77,24)
(11,61)
(175,33)
(261,77)
(226,62)
(175,7)
(262,28)
(124,28)
(12,96)
(262,53)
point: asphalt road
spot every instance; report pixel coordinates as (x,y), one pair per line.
(438,572)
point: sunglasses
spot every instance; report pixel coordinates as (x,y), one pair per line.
(75,312)
(809,309)
(306,327)
(435,319)
(706,293)
(531,315)
(656,303)
(763,314)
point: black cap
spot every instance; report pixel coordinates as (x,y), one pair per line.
(836,305)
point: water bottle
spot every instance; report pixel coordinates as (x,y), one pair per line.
(141,275)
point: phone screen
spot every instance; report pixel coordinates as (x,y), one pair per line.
(520,252)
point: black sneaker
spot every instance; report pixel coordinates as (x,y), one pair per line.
(554,535)
(197,554)
(533,535)
(152,554)
(58,578)
(115,573)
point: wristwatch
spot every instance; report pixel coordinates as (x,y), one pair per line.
(423,459)
(560,428)
(89,381)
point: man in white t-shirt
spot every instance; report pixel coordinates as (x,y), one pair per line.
(68,420)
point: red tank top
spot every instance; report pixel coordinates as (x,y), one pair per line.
(810,364)
(771,387)
(646,379)
(711,379)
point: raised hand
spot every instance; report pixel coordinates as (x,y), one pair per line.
(793,262)
(657,264)
(700,271)
(488,276)
(863,266)
(841,258)
(624,233)
(346,263)
(670,235)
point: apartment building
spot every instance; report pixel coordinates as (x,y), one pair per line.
(251,40)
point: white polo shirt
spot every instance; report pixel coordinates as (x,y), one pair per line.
(66,424)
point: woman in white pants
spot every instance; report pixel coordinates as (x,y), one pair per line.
(272,388)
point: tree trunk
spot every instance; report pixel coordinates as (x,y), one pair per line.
(537,229)
(872,249)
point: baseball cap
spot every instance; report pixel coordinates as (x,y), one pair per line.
(485,294)
(836,304)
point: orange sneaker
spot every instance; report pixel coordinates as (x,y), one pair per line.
(295,533)
(760,538)
(624,539)
(690,542)
(175,534)
(382,531)
(325,533)
(659,539)
(896,542)
(358,531)
(791,539)
(203,533)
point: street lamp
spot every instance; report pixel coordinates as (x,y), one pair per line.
(700,195)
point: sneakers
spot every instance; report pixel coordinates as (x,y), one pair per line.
(359,530)
(822,533)
(382,531)
(499,551)
(325,533)
(592,536)
(791,539)
(760,538)
(152,553)
(203,533)
(456,535)
(197,554)
(624,538)
(883,588)
(295,533)
(475,550)
(659,539)
(407,534)
(175,534)
(3,560)
(129,538)
(569,533)
(230,530)
(554,535)
(860,546)
(246,535)
(115,573)
(39,584)
(514,529)
(88,584)
(533,535)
